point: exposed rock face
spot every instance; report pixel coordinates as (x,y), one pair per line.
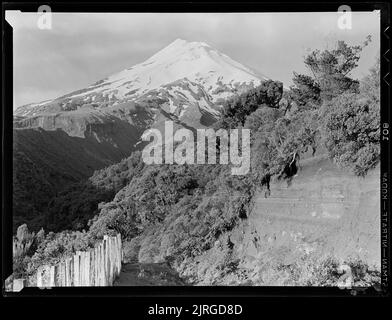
(325,212)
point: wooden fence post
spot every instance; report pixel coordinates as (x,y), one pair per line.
(96,263)
(18,285)
(68,272)
(101,265)
(39,277)
(52,271)
(91,271)
(76,270)
(81,269)
(118,257)
(105,266)
(87,268)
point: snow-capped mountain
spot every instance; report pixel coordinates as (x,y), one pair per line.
(182,75)
(87,129)
(60,141)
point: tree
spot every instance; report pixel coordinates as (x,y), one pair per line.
(235,110)
(352,125)
(370,85)
(352,132)
(330,70)
(263,119)
(113,220)
(305,91)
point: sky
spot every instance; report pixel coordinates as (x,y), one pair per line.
(82,48)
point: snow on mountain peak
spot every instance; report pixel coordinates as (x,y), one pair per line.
(179,44)
(196,61)
(215,73)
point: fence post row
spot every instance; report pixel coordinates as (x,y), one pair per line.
(98,266)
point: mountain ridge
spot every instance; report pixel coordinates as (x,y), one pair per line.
(196,62)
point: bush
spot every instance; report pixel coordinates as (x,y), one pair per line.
(113,220)
(352,132)
(330,69)
(58,246)
(73,207)
(305,90)
(25,245)
(235,110)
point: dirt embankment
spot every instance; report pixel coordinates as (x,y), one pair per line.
(325,209)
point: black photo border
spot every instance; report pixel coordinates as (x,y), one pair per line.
(190,291)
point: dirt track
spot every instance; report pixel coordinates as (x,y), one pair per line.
(147,274)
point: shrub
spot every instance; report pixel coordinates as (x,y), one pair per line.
(352,132)
(113,220)
(235,110)
(57,246)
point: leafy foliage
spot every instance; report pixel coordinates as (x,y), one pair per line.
(76,203)
(352,125)
(25,243)
(118,175)
(370,84)
(40,249)
(348,111)
(352,132)
(73,207)
(305,90)
(237,109)
(57,246)
(27,202)
(330,68)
